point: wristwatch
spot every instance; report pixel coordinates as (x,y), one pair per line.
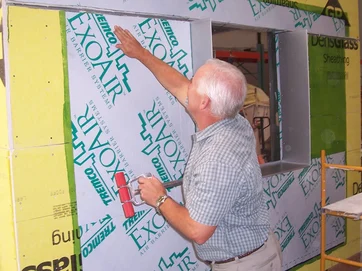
(159,202)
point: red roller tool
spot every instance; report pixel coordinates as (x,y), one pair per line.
(128,194)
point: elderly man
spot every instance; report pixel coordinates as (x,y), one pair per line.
(225,214)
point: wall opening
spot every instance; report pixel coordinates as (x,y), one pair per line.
(248,51)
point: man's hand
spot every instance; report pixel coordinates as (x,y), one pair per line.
(128,43)
(150,190)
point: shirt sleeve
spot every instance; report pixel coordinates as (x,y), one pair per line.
(216,186)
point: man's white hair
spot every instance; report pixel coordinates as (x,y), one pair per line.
(226,87)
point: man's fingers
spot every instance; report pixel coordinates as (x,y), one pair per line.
(129,33)
(120,33)
(117,30)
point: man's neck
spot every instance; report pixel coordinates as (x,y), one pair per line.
(205,121)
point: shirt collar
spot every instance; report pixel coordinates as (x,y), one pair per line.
(213,129)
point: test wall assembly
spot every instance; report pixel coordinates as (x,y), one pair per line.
(78,111)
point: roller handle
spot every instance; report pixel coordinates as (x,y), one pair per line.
(172,184)
(166,185)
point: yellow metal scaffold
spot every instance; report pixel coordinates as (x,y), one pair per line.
(350,207)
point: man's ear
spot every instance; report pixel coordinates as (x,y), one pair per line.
(205,102)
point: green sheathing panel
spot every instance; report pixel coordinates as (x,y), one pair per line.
(327,95)
(68,132)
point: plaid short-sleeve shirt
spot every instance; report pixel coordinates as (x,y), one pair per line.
(222,186)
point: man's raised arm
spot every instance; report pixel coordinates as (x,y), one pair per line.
(169,78)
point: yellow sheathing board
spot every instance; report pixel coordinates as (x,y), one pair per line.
(7,235)
(353,90)
(353,135)
(36,72)
(351,8)
(353,102)
(43,204)
(353,119)
(354,177)
(40,181)
(3,108)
